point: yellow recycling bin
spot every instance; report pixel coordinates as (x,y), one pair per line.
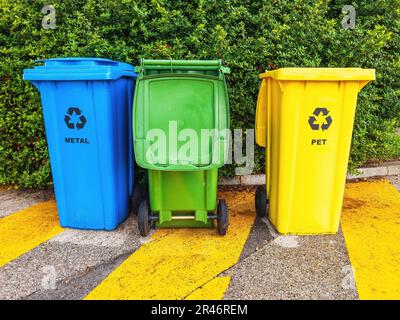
(304,119)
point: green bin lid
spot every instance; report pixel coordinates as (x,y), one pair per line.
(175,97)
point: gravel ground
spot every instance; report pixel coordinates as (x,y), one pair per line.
(292,267)
(271,266)
(75,261)
(14,200)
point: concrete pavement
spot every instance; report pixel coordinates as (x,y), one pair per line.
(252,262)
(293,267)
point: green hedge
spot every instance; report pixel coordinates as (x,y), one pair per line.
(250,36)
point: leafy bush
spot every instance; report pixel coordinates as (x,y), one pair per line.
(250,36)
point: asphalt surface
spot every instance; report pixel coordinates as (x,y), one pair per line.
(292,267)
(69,265)
(271,266)
(12,200)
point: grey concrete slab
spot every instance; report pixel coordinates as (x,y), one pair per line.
(70,265)
(15,200)
(295,267)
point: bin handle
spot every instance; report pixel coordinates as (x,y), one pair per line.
(183,64)
(261,115)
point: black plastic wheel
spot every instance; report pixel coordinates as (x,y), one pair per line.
(139,194)
(261,202)
(222,217)
(144,222)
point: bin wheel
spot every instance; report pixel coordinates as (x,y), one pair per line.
(222,217)
(144,223)
(261,202)
(139,194)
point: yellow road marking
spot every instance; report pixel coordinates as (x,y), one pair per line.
(178,262)
(213,290)
(24,230)
(371,227)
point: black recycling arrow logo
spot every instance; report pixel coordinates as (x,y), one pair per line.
(320,112)
(78,124)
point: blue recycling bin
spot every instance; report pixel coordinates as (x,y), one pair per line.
(87,109)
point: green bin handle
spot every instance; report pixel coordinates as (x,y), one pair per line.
(182,64)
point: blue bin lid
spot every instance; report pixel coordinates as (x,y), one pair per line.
(79,69)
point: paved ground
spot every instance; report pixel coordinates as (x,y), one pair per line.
(396,181)
(292,267)
(69,265)
(15,200)
(40,260)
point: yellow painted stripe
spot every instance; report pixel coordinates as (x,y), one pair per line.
(371,227)
(177,262)
(24,230)
(213,290)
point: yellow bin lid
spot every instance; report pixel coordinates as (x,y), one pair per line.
(320,74)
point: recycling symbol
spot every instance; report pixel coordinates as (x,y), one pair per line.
(315,124)
(72,124)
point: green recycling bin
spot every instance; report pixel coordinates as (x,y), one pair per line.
(181,136)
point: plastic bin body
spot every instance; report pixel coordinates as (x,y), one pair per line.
(183,193)
(173,96)
(91,158)
(304,119)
